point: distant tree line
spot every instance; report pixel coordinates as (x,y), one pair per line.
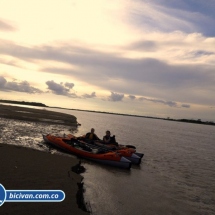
(199,121)
(23,103)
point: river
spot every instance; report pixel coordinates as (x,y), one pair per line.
(176,176)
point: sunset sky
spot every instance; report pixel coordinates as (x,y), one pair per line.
(151,58)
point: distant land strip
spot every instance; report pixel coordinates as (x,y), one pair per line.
(23,103)
(199,121)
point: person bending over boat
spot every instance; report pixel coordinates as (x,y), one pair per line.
(91,135)
(107,139)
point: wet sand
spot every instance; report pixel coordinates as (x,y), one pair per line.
(23,168)
(36,115)
(26,169)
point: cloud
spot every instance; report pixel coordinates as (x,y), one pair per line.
(4,26)
(92,95)
(3,82)
(115,97)
(185,106)
(152,16)
(200,53)
(9,62)
(169,103)
(61,89)
(69,85)
(132,97)
(191,81)
(185,15)
(22,86)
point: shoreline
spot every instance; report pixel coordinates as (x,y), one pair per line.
(37,115)
(25,167)
(28,169)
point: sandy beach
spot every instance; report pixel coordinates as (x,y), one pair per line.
(29,169)
(26,169)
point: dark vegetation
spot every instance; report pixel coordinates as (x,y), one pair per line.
(199,121)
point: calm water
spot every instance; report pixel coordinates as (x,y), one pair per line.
(176,176)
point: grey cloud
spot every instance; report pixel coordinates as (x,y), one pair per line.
(69,85)
(4,26)
(150,73)
(3,81)
(132,97)
(185,106)
(92,95)
(95,66)
(169,103)
(200,53)
(115,97)
(60,89)
(147,76)
(23,86)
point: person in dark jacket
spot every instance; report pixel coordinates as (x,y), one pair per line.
(91,135)
(107,139)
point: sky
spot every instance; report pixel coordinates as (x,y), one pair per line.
(142,57)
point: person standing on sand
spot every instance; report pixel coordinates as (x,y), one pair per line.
(91,135)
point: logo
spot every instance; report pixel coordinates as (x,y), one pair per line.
(2,195)
(30,195)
